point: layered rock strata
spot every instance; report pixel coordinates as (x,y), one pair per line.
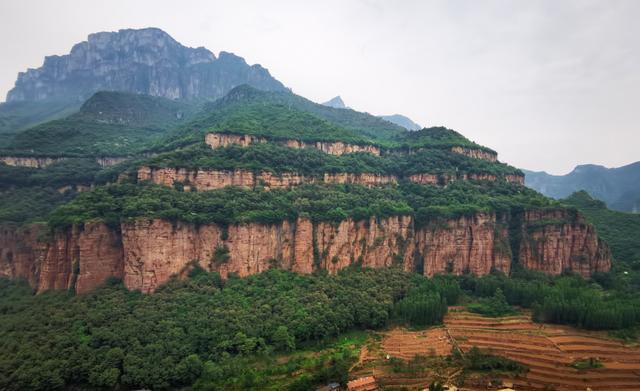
(216,140)
(476,153)
(146,253)
(43,162)
(203,180)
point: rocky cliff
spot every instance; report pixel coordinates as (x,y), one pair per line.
(552,243)
(42,162)
(146,61)
(80,258)
(203,180)
(31,162)
(146,253)
(216,140)
(476,153)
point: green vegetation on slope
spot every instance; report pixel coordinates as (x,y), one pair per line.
(283,115)
(16,116)
(213,334)
(435,137)
(202,330)
(108,124)
(565,300)
(493,306)
(620,230)
(115,203)
(309,161)
(30,194)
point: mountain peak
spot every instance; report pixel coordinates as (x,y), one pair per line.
(402,120)
(336,103)
(142,61)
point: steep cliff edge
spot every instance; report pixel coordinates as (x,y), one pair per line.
(216,140)
(43,162)
(203,180)
(146,253)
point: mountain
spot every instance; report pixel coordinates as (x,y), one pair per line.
(401,120)
(397,119)
(194,243)
(257,173)
(618,187)
(146,61)
(336,103)
(107,124)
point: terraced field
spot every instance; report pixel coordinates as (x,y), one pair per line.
(547,350)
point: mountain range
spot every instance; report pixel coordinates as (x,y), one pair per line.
(145,61)
(618,187)
(195,221)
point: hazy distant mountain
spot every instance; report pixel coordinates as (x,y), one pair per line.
(336,103)
(618,187)
(398,119)
(147,61)
(401,120)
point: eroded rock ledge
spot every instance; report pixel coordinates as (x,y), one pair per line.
(145,253)
(203,180)
(42,162)
(215,140)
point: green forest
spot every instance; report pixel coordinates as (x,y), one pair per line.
(116,203)
(309,161)
(210,333)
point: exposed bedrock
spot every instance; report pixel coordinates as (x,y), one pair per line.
(208,179)
(146,253)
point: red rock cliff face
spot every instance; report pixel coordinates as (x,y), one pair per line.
(554,242)
(79,258)
(473,244)
(22,252)
(146,253)
(203,180)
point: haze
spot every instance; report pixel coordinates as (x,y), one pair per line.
(548,84)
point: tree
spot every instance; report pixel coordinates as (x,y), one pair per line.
(282,340)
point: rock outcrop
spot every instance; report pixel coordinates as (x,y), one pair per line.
(146,253)
(78,258)
(553,243)
(43,162)
(216,140)
(146,61)
(31,162)
(203,180)
(476,153)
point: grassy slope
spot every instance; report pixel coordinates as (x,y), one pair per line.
(621,230)
(108,124)
(284,115)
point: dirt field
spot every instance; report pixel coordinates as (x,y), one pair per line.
(547,350)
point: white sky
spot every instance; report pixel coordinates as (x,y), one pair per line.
(548,84)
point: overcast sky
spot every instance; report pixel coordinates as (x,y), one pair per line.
(548,84)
